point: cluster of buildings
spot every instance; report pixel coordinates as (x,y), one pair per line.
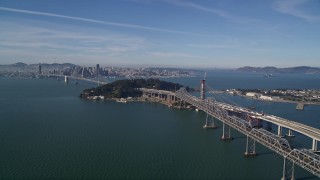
(111,72)
(67,69)
(306,95)
(40,70)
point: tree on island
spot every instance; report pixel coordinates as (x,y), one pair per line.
(129,88)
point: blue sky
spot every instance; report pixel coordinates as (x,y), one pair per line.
(170,33)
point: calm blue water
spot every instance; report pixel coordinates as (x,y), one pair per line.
(46,131)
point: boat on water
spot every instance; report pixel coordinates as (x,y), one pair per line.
(269,75)
(122,100)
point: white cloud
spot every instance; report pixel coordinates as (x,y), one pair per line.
(155,54)
(248,46)
(125,25)
(213,46)
(293,8)
(31,43)
(217,12)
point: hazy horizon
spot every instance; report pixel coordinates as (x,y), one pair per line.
(161,66)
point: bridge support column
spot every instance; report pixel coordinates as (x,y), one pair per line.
(290,134)
(226,135)
(288,170)
(251,147)
(144,94)
(180,104)
(279,131)
(209,122)
(168,98)
(314,145)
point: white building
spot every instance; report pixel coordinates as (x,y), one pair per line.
(251,94)
(267,98)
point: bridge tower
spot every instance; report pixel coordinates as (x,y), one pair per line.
(203,88)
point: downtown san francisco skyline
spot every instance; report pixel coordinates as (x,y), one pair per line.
(177,33)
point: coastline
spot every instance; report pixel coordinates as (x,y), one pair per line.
(277,100)
(140,99)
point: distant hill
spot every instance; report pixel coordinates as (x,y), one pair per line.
(19,66)
(270,69)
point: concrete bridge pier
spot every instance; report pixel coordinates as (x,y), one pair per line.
(290,133)
(251,147)
(209,123)
(165,97)
(288,170)
(280,131)
(168,99)
(314,145)
(226,135)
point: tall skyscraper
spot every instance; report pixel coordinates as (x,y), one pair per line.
(97,69)
(40,69)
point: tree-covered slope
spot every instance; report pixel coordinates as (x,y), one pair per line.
(129,88)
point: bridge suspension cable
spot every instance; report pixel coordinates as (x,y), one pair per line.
(217,95)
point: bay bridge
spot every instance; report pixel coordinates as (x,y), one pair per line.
(66,79)
(247,122)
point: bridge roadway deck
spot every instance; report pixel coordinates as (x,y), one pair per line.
(305,158)
(309,131)
(302,157)
(156,91)
(295,126)
(79,78)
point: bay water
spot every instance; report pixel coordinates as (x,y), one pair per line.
(47,131)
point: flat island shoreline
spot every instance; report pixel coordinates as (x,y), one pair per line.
(299,97)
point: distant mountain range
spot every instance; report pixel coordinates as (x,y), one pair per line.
(20,66)
(270,69)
